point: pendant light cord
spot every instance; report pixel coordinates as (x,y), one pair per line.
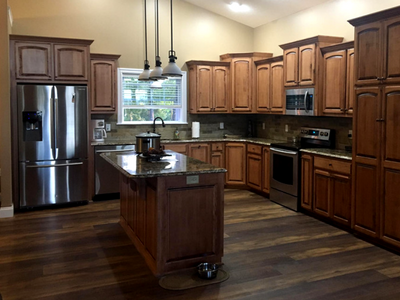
(156,8)
(172,48)
(145,29)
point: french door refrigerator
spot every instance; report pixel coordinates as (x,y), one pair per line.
(52,142)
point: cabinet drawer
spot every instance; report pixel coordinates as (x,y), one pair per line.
(217,146)
(332,165)
(257,149)
(180,148)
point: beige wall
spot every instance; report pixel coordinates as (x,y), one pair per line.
(117,27)
(329,18)
(5,137)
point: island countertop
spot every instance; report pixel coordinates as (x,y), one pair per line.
(135,166)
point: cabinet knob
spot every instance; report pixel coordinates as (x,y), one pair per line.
(330,165)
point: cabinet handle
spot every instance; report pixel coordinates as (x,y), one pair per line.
(380,120)
(330,165)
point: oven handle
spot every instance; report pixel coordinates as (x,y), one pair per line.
(283,151)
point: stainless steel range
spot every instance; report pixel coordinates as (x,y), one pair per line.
(285,165)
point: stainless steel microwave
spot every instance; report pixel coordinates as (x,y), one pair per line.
(300,102)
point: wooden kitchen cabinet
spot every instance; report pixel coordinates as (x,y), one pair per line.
(338,82)
(209,89)
(200,151)
(103,83)
(270,97)
(176,147)
(376,46)
(254,166)
(217,155)
(243,74)
(266,169)
(307,171)
(235,162)
(332,189)
(302,60)
(49,59)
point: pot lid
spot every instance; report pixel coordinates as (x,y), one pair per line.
(149,134)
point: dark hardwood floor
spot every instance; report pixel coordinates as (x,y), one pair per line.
(270,252)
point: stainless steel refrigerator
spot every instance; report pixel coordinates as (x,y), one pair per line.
(52,142)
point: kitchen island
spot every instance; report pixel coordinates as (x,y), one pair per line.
(171,209)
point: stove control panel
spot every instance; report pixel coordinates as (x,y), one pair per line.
(315,133)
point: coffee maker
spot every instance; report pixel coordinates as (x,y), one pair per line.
(99,132)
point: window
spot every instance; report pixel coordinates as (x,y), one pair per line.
(141,101)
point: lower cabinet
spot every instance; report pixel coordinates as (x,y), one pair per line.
(217,155)
(265,169)
(326,187)
(176,147)
(254,166)
(200,151)
(235,163)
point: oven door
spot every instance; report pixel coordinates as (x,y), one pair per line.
(284,170)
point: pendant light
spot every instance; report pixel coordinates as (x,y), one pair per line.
(172,69)
(144,76)
(157,72)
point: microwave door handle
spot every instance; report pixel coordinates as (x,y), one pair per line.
(104,133)
(305,102)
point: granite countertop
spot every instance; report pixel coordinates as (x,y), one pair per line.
(134,166)
(329,152)
(261,141)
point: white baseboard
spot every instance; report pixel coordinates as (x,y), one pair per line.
(7,212)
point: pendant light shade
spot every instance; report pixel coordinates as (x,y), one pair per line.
(157,72)
(172,69)
(145,75)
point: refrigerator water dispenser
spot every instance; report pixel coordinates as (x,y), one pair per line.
(32,126)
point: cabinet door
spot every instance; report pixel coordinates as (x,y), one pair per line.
(204,88)
(217,159)
(334,82)
(322,191)
(254,168)
(241,84)
(180,148)
(350,82)
(368,58)
(291,66)
(307,65)
(390,220)
(263,87)
(306,181)
(341,198)
(365,204)
(220,89)
(277,97)
(265,169)
(151,221)
(391,46)
(71,62)
(235,156)
(200,151)
(33,61)
(367,123)
(103,85)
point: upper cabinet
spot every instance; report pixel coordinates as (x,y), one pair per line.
(103,82)
(377,47)
(49,59)
(302,59)
(270,92)
(338,79)
(208,87)
(243,83)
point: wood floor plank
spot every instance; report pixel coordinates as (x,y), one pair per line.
(270,252)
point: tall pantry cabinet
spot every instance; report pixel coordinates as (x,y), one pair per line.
(376,126)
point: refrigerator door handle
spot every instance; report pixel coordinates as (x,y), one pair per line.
(55,121)
(58,165)
(52,140)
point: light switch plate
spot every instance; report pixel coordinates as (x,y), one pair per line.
(108,127)
(221,125)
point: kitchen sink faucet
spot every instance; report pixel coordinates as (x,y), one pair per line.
(154,123)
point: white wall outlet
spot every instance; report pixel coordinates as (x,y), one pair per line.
(263,126)
(221,125)
(108,127)
(286,128)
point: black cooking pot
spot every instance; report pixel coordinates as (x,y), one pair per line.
(147,140)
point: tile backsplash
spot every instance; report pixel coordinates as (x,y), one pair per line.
(236,124)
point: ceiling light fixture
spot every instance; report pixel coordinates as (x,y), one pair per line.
(238,7)
(144,76)
(157,72)
(172,70)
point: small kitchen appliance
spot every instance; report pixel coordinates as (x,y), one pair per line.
(285,165)
(99,131)
(300,101)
